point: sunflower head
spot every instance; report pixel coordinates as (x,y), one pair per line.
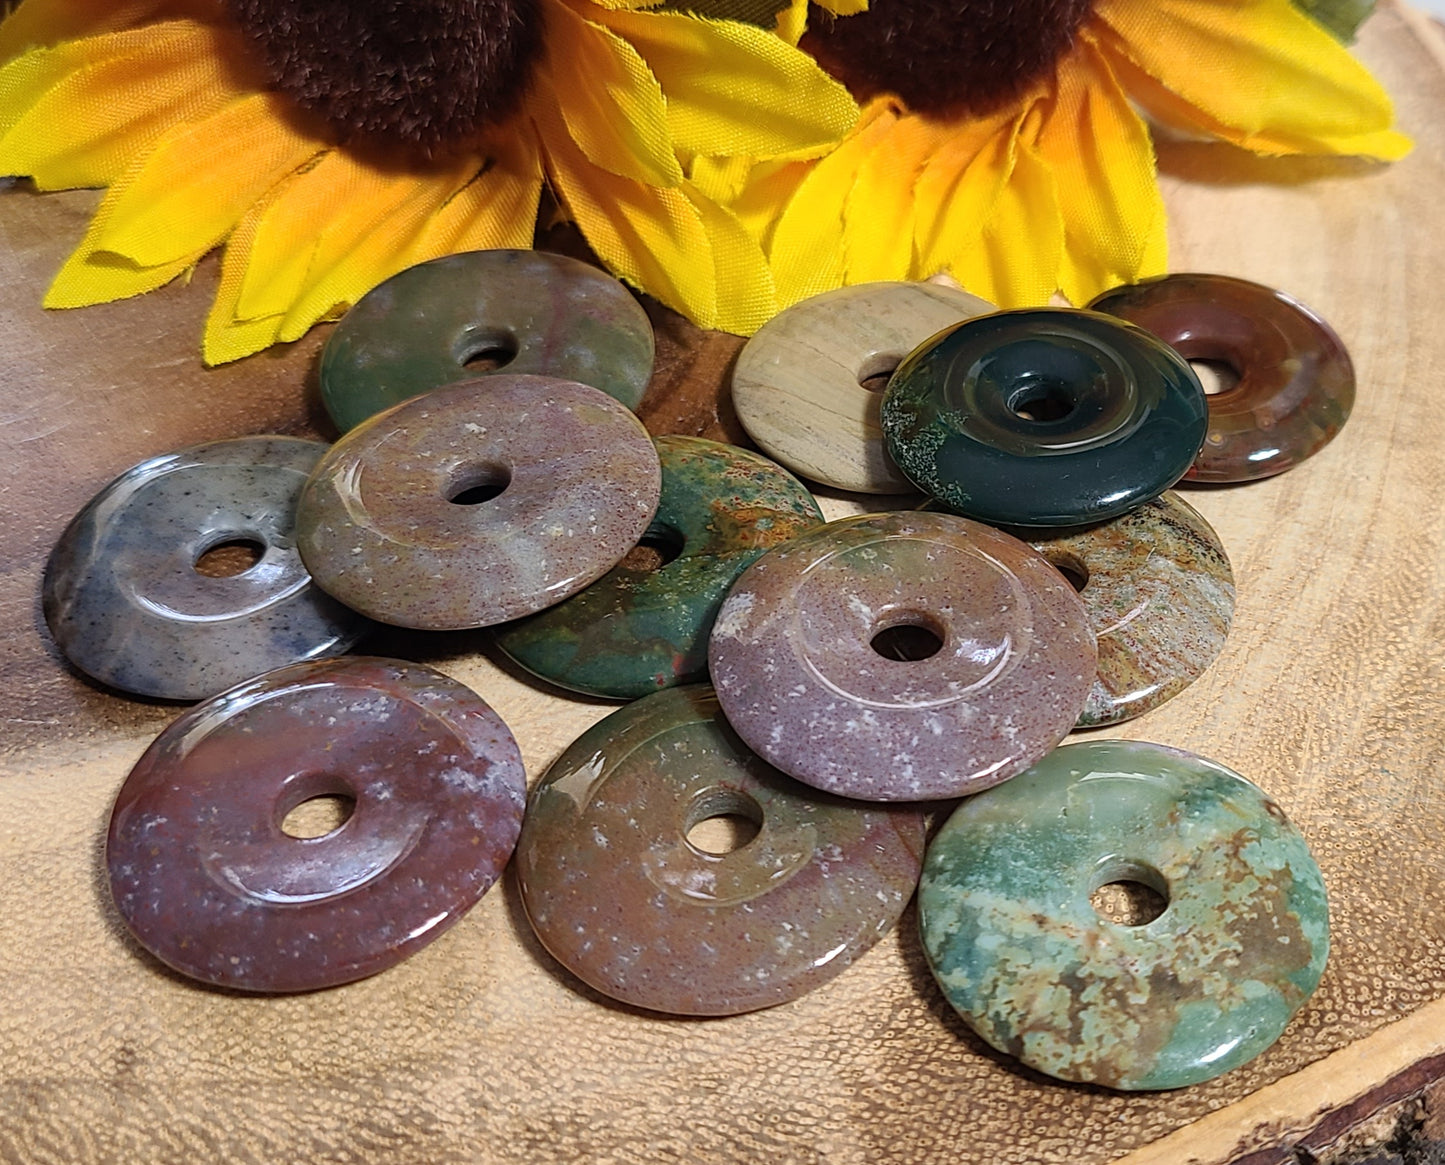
(427,76)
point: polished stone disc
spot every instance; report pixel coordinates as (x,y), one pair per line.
(623,899)
(636,630)
(1047,417)
(1021,952)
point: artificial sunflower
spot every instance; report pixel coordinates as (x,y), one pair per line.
(999,140)
(328,144)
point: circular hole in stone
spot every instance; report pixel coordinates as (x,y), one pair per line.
(230,557)
(1216,376)
(656,548)
(474,484)
(487,354)
(1129,893)
(877,369)
(1041,400)
(1071,566)
(319,816)
(721,821)
(908,639)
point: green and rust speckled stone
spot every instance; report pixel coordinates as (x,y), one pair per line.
(622,898)
(633,632)
(1021,953)
(1159,593)
(539,313)
(1047,417)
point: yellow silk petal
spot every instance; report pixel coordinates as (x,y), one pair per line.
(88,278)
(792,22)
(768,189)
(734,88)
(651,236)
(194,187)
(746,298)
(958,187)
(612,104)
(24,80)
(86,129)
(1103,161)
(1015,262)
(48,22)
(844,7)
(495,210)
(878,213)
(720,179)
(1258,73)
(807,253)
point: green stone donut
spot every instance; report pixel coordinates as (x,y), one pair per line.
(542,314)
(1020,952)
(633,632)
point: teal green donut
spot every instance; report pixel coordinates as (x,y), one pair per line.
(1022,955)
(633,632)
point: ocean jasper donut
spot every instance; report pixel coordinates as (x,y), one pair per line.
(624,900)
(1021,953)
(479,502)
(1296,382)
(632,632)
(537,313)
(902,657)
(798,383)
(206,879)
(1048,417)
(126,603)
(1159,592)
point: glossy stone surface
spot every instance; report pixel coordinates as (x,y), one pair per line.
(126,605)
(1021,953)
(800,679)
(635,631)
(206,879)
(1296,382)
(1048,417)
(377,529)
(797,385)
(1160,598)
(557,316)
(621,898)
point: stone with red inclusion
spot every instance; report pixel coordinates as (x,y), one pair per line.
(206,879)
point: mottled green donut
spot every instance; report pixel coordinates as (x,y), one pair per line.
(1021,953)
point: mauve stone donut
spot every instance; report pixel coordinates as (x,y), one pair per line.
(1296,382)
(801,679)
(388,524)
(207,881)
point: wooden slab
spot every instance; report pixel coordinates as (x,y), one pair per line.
(1330,694)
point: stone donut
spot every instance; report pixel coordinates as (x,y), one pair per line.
(812,659)
(126,605)
(1159,593)
(208,882)
(1048,417)
(1020,952)
(479,502)
(622,899)
(797,386)
(1296,382)
(632,632)
(544,314)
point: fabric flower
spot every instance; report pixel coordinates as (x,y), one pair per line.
(325,164)
(999,141)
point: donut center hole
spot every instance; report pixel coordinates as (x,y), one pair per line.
(721,821)
(318,816)
(1129,893)
(229,557)
(1071,566)
(1041,400)
(487,353)
(656,548)
(877,370)
(1216,376)
(908,639)
(473,484)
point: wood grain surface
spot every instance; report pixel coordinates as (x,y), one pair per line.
(1330,694)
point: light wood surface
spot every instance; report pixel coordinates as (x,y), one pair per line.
(1330,694)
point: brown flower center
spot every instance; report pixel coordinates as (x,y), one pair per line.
(425,75)
(953,59)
